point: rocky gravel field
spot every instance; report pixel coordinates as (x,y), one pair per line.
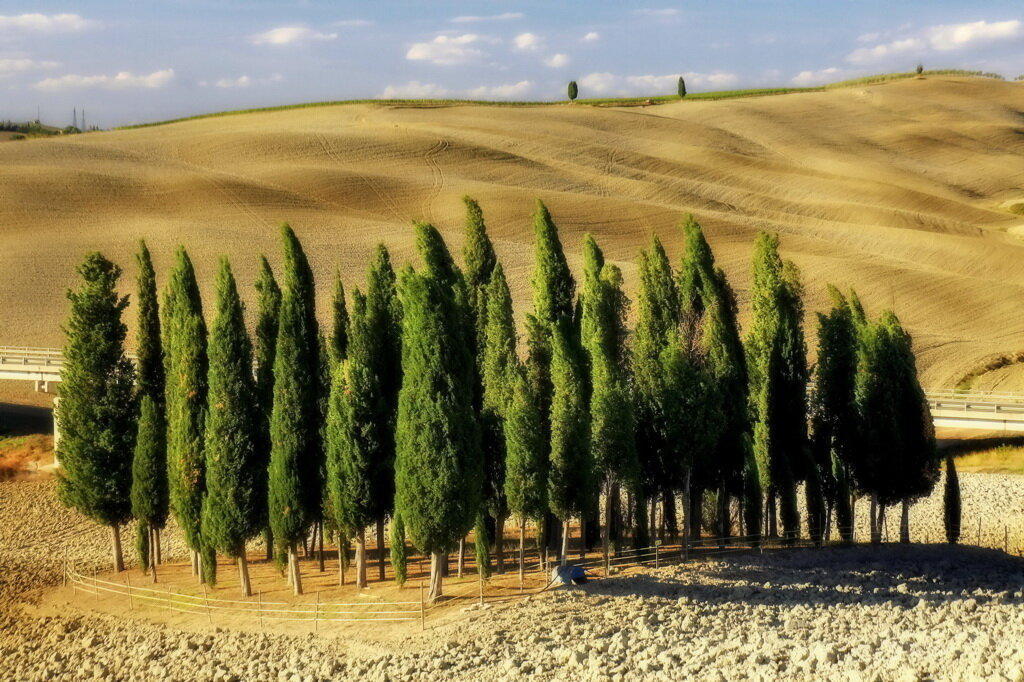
(919,612)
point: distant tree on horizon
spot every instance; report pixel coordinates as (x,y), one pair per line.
(573,91)
(681,88)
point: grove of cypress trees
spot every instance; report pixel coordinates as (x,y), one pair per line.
(384,356)
(354,427)
(951,503)
(438,468)
(149,465)
(526,462)
(264,349)
(294,474)
(97,410)
(186,368)
(569,469)
(231,507)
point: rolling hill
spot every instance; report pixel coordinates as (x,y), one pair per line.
(903,190)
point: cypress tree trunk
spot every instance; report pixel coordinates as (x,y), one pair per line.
(668,513)
(724,527)
(143,535)
(320,546)
(563,558)
(687,518)
(522,552)
(437,561)
(499,542)
(341,561)
(905,522)
(606,529)
(156,543)
(697,509)
(583,537)
(380,548)
(293,560)
(655,532)
(881,522)
(154,540)
(361,558)
(615,522)
(268,540)
(461,564)
(876,534)
(115,531)
(195,563)
(243,572)
(772,519)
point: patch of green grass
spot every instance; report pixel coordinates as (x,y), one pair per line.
(887,77)
(1004,459)
(596,101)
(1017,208)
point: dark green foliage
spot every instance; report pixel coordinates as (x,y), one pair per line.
(753,496)
(398,549)
(553,291)
(776,362)
(479,258)
(569,478)
(149,469)
(264,350)
(354,429)
(482,547)
(294,474)
(339,323)
(438,466)
(841,500)
(149,352)
(657,318)
(186,367)
(951,503)
(526,462)
(681,88)
(97,408)
(573,90)
(231,506)
(384,358)
(919,70)
(834,416)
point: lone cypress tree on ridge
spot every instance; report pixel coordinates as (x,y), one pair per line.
(97,409)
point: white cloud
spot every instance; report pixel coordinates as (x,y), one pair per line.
(591,37)
(352,23)
(528,41)
(228,83)
(446,50)
(12,66)
(289,35)
(413,90)
(820,77)
(556,61)
(241,82)
(472,19)
(869,37)
(942,38)
(662,12)
(46,23)
(121,81)
(611,84)
(511,91)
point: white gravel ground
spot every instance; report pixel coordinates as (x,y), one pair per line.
(890,613)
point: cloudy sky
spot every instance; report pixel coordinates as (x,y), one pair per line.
(129,62)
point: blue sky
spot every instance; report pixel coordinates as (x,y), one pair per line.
(129,62)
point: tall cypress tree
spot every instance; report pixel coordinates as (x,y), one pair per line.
(97,410)
(657,302)
(951,503)
(231,507)
(438,466)
(384,356)
(354,430)
(186,368)
(264,350)
(149,465)
(295,458)
(603,326)
(480,259)
(834,414)
(569,472)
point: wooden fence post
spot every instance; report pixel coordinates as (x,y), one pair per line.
(423,612)
(657,555)
(259,609)
(481,581)
(206,600)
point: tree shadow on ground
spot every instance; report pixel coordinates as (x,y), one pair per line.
(891,574)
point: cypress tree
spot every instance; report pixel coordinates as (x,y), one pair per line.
(776,362)
(186,368)
(340,322)
(480,259)
(353,436)
(97,411)
(526,462)
(834,414)
(951,503)
(681,88)
(384,356)
(264,350)
(149,465)
(294,474)
(569,469)
(231,514)
(573,91)
(500,367)
(398,550)
(438,467)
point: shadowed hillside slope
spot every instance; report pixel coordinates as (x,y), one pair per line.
(898,190)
